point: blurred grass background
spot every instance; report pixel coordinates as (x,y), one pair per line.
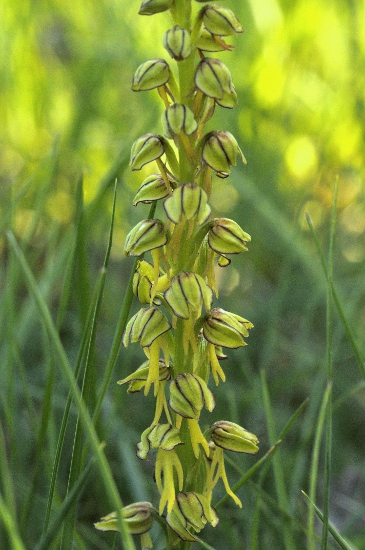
(67,109)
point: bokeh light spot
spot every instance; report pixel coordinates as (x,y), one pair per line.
(301,158)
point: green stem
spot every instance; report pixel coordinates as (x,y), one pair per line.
(186,68)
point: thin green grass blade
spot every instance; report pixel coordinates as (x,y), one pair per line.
(286,232)
(88,389)
(315,460)
(67,281)
(72,497)
(61,436)
(65,294)
(121,324)
(328,445)
(11,528)
(81,279)
(350,393)
(256,516)
(338,304)
(204,544)
(68,374)
(41,437)
(273,509)
(336,535)
(6,478)
(277,464)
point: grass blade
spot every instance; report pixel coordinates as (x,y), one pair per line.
(336,535)
(67,372)
(72,497)
(11,528)
(121,324)
(277,464)
(328,447)
(338,304)
(315,459)
(88,389)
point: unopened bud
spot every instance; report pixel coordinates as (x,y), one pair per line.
(177,43)
(226,329)
(152,189)
(142,281)
(178,118)
(227,237)
(146,235)
(138,519)
(232,437)
(151,74)
(161,436)
(212,78)
(164,436)
(219,151)
(145,149)
(145,326)
(188,292)
(189,394)
(191,511)
(220,20)
(207,42)
(187,201)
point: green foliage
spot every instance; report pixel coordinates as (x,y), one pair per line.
(66,107)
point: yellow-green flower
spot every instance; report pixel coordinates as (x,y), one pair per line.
(138,518)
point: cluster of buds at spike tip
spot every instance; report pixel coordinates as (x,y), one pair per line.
(178,328)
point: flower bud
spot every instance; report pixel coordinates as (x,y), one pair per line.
(137,380)
(146,235)
(189,394)
(227,237)
(226,329)
(232,437)
(151,74)
(229,99)
(145,326)
(212,78)
(150,7)
(187,201)
(138,518)
(220,20)
(152,189)
(191,511)
(145,149)
(219,151)
(207,42)
(142,281)
(177,43)
(164,436)
(188,292)
(178,118)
